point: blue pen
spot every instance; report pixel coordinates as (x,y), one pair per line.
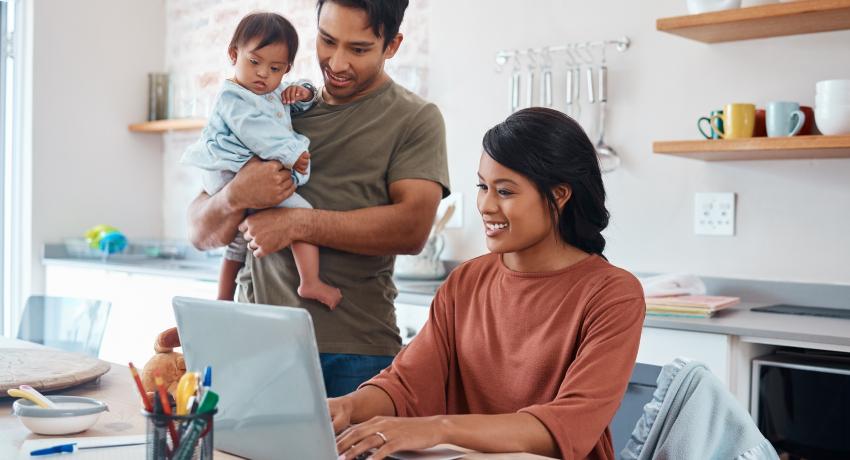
(206,382)
(72,447)
(207,378)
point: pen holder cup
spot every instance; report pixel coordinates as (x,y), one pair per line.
(194,430)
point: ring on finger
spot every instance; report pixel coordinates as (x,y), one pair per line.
(382,436)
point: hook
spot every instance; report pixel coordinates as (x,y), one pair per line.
(532,62)
(588,57)
(571,59)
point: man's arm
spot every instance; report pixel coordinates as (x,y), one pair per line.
(213,220)
(398,228)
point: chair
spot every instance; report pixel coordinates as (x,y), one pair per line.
(70,324)
(693,415)
(642,385)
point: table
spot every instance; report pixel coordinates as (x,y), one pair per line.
(124,416)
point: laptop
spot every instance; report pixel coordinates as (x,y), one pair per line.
(266,370)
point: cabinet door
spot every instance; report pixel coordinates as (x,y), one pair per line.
(144,310)
(660,346)
(141,305)
(410,319)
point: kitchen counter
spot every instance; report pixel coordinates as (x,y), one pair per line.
(757,327)
(769,328)
(202,267)
(198,266)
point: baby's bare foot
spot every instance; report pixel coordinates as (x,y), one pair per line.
(322,292)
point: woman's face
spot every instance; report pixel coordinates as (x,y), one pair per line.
(516,217)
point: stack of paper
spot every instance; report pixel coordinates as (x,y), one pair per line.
(696,306)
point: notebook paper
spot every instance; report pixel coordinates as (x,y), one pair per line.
(104,453)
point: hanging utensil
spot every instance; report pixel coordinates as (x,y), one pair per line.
(529,82)
(546,80)
(513,101)
(590,91)
(573,100)
(607,156)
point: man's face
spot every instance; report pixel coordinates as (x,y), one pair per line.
(350,54)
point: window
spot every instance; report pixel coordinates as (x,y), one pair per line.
(12,271)
(5,138)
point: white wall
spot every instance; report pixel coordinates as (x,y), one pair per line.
(90,65)
(793,216)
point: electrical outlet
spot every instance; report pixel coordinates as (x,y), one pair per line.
(456,221)
(714,214)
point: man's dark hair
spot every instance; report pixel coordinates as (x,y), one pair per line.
(270,28)
(385,16)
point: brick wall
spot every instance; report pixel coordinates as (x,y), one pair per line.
(197,35)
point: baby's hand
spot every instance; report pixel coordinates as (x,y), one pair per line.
(296,93)
(302,163)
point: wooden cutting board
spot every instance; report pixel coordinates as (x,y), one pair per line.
(47,369)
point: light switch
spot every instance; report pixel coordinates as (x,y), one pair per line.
(714,214)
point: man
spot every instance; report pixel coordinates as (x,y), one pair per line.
(378,155)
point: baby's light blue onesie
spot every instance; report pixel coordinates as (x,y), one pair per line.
(242,125)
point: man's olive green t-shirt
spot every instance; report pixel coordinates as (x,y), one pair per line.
(357,150)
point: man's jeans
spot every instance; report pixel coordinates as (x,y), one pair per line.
(344,373)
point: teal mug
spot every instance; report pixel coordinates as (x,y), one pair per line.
(711,134)
(784,119)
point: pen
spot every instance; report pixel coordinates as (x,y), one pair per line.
(73,447)
(207,381)
(166,407)
(190,437)
(145,401)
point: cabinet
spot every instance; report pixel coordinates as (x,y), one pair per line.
(141,305)
(410,319)
(727,356)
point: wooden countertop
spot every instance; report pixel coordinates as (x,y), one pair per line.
(124,416)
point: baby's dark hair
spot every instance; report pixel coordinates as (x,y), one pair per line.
(270,28)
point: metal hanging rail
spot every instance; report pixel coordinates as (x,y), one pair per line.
(621,45)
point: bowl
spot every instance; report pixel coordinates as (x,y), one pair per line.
(832,100)
(833,121)
(832,85)
(74,414)
(708,6)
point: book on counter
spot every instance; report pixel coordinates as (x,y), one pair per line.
(693,306)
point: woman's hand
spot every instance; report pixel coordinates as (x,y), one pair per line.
(340,409)
(390,434)
(295,93)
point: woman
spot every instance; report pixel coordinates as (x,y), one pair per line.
(530,347)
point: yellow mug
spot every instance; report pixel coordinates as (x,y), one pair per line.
(739,121)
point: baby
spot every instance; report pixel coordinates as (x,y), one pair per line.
(252,117)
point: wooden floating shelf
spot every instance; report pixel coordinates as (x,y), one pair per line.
(794,18)
(159,126)
(758,148)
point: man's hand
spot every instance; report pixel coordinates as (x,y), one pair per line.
(295,93)
(302,163)
(259,185)
(270,231)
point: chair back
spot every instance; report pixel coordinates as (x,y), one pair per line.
(639,392)
(70,324)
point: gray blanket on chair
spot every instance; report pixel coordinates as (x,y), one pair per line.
(692,415)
